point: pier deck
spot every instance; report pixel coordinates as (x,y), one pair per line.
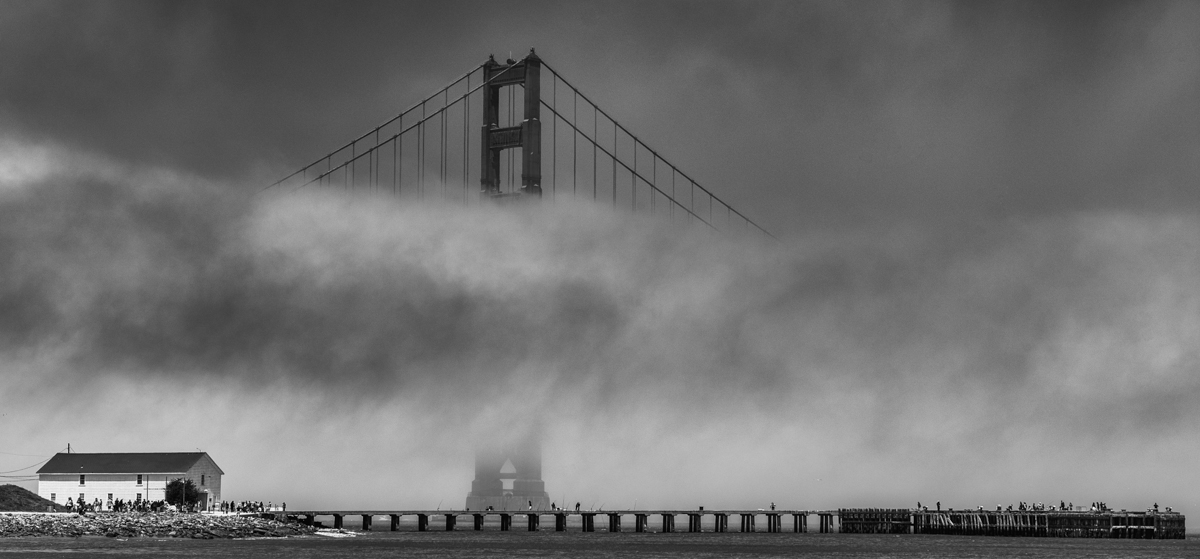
(1106,524)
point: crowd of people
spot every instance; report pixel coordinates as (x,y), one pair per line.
(118,505)
(140,505)
(1098,506)
(250,507)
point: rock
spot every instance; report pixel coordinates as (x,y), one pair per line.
(195,526)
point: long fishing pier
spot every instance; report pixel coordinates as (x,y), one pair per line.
(1080,524)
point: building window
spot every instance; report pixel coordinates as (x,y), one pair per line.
(139,479)
(201,479)
(80,498)
(139,496)
(54,497)
(81,477)
(110,496)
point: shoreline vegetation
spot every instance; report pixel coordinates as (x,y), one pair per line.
(149,525)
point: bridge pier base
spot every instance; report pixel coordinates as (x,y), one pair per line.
(505,522)
(366,522)
(720,523)
(451,520)
(337,522)
(395,518)
(589,522)
(478,521)
(639,523)
(560,523)
(533,520)
(422,522)
(668,523)
(614,522)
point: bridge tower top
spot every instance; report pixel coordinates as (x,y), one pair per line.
(526,136)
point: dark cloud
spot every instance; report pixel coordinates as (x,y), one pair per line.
(802,114)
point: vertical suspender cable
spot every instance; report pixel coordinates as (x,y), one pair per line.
(512,117)
(445,143)
(653,171)
(574,142)
(421,155)
(400,162)
(672,206)
(466,146)
(595,134)
(554,141)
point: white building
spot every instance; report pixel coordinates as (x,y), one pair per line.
(127,475)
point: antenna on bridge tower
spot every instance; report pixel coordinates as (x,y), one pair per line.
(527,136)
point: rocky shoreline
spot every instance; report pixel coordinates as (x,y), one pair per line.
(149,525)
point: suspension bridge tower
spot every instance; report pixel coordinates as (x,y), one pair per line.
(508,467)
(526,136)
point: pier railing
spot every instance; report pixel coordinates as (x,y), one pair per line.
(1058,524)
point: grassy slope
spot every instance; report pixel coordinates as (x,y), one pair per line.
(13,498)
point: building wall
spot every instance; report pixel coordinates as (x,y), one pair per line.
(211,479)
(121,486)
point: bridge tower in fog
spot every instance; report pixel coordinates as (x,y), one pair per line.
(428,150)
(508,472)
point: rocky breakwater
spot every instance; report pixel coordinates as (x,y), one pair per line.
(132,525)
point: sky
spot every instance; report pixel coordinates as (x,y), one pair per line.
(986,287)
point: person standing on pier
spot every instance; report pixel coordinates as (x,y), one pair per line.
(576,507)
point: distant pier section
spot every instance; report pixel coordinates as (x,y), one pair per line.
(1058,524)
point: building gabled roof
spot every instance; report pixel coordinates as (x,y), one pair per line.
(123,463)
